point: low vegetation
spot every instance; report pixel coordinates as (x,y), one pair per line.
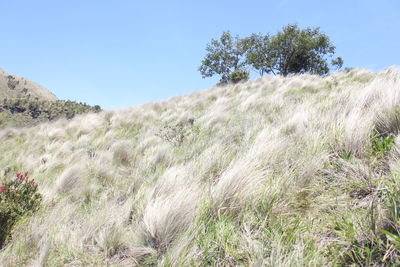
(30,111)
(279,171)
(18,198)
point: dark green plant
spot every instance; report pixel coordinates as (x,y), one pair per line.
(18,198)
(382,145)
(239,76)
(291,51)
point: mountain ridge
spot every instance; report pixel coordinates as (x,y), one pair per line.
(14,86)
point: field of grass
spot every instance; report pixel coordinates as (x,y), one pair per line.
(295,171)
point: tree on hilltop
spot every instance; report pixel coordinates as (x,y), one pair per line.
(291,51)
(224,57)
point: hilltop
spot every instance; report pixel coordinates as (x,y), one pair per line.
(25,103)
(279,171)
(13,86)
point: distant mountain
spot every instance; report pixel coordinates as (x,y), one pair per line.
(25,103)
(13,86)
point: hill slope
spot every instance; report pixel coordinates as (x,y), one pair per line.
(24,103)
(292,171)
(13,86)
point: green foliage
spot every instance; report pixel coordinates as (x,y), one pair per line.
(346,155)
(392,198)
(148,260)
(220,241)
(364,248)
(239,75)
(294,50)
(27,111)
(393,238)
(382,145)
(257,51)
(224,57)
(18,198)
(373,240)
(291,51)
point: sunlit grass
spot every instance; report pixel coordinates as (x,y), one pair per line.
(295,171)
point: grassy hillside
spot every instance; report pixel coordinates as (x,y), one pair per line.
(25,103)
(13,86)
(20,112)
(297,171)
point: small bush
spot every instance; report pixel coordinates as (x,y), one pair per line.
(382,145)
(239,75)
(174,135)
(18,198)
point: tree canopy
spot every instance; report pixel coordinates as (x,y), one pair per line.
(224,57)
(291,51)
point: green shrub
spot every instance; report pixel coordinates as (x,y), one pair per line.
(382,145)
(239,75)
(18,198)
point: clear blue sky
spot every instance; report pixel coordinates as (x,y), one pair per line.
(123,53)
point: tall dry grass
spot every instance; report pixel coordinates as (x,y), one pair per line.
(272,172)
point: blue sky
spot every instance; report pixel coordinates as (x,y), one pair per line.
(124,53)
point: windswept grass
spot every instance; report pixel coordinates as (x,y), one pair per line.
(295,171)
